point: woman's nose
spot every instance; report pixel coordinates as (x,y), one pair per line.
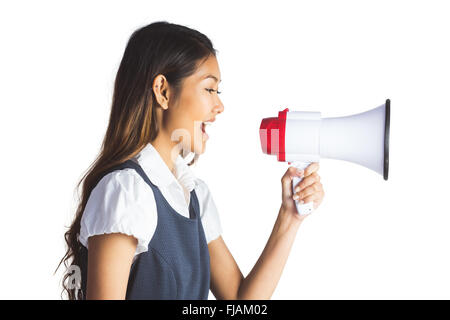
(219,108)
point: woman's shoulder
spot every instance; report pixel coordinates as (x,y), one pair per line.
(124,179)
(119,192)
(120,202)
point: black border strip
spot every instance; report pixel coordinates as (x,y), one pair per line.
(386,138)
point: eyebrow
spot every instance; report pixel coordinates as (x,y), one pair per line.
(211,76)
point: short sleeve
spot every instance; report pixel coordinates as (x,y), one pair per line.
(121,202)
(208,211)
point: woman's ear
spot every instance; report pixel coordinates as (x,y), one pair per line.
(161,90)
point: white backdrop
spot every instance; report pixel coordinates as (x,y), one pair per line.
(370,238)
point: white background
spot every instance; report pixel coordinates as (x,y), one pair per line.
(370,238)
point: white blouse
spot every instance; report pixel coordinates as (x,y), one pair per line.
(123,202)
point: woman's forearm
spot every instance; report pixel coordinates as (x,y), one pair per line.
(262,280)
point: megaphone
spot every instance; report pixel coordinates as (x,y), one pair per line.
(303,137)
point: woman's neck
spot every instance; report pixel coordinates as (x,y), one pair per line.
(167,149)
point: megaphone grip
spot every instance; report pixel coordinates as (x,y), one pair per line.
(302,208)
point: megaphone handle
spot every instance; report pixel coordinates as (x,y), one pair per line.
(305,208)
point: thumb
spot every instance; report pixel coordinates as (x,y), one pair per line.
(286,181)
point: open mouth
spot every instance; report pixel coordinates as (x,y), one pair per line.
(204,134)
(204,124)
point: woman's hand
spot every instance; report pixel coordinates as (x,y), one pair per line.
(309,189)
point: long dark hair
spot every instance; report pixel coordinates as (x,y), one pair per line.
(161,47)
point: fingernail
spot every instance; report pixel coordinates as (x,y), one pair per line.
(295,197)
(297,189)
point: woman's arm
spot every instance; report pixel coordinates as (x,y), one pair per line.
(227,281)
(226,277)
(263,278)
(109,262)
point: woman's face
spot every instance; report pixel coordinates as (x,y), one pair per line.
(198,103)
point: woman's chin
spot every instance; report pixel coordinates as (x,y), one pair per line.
(200,147)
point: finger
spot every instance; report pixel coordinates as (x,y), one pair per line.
(316,198)
(308,191)
(313,178)
(290,173)
(286,180)
(313,167)
(313,197)
(309,198)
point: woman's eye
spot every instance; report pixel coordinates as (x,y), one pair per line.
(212,90)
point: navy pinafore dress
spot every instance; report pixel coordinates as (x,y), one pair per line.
(176,265)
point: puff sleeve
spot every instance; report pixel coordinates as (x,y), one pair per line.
(120,203)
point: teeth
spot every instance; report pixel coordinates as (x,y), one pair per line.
(207,122)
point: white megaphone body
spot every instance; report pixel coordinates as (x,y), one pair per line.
(303,137)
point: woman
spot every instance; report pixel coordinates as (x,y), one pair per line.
(146,227)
